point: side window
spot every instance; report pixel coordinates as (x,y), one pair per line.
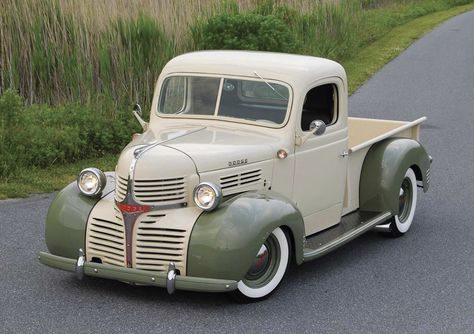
(173,95)
(320,104)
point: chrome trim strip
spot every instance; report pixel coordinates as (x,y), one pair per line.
(130,218)
(139,152)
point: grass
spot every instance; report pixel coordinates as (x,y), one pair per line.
(67,46)
(369,60)
(27,181)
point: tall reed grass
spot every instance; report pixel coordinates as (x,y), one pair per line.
(56,51)
(109,53)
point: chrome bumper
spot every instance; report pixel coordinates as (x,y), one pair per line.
(168,280)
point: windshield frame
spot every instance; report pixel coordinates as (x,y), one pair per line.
(215,116)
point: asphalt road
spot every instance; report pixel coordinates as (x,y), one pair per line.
(420,283)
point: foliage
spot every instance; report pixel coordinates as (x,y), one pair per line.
(247,31)
(42,136)
(54,57)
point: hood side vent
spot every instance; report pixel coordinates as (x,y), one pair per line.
(242,179)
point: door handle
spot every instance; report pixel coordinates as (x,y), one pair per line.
(344,154)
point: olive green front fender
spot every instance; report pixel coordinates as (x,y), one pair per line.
(383,170)
(67,218)
(224,242)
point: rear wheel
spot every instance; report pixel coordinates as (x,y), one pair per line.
(401,223)
(267,270)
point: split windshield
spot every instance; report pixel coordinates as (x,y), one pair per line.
(251,100)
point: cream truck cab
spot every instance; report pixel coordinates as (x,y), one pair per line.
(249,162)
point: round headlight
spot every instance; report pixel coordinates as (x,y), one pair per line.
(207,196)
(91,181)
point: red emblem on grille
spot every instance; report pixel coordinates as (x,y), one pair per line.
(130,208)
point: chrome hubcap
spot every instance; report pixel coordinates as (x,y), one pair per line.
(260,264)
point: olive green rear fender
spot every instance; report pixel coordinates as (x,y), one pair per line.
(67,219)
(383,171)
(224,242)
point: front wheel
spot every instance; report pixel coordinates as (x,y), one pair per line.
(267,270)
(400,224)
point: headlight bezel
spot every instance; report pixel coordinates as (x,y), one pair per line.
(217,196)
(101,181)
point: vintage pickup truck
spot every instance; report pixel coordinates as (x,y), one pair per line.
(249,162)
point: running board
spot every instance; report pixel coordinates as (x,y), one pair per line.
(350,227)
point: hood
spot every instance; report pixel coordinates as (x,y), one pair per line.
(211,148)
(173,159)
(214,148)
(161,176)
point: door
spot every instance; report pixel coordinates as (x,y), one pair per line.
(321,161)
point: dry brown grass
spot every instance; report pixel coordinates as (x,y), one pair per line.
(174,16)
(56,51)
(61,50)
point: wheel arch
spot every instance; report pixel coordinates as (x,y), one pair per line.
(383,170)
(417,171)
(224,242)
(292,244)
(67,219)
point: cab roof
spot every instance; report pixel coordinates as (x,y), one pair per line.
(290,68)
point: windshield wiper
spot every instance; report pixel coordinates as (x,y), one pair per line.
(271,87)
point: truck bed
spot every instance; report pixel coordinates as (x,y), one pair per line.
(363,133)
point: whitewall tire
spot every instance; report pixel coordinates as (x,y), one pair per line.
(268,269)
(401,223)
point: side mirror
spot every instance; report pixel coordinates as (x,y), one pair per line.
(138,109)
(318,127)
(137,112)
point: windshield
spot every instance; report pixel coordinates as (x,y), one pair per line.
(224,97)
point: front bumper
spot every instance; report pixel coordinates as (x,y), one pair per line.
(139,276)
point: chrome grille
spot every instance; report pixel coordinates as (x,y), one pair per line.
(120,188)
(241,179)
(162,191)
(156,244)
(106,240)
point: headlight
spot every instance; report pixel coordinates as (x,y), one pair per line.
(207,196)
(91,181)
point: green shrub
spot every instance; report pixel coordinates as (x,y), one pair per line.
(11,106)
(42,136)
(246,31)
